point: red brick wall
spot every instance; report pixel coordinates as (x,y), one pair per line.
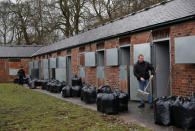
(183,75)
(24,63)
(3,70)
(75,61)
(91,71)
(16,65)
(63,53)
(112,73)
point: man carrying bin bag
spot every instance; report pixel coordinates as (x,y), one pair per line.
(141,71)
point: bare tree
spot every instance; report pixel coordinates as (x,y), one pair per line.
(65,7)
(47,21)
(6,27)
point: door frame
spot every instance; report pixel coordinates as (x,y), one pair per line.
(153,54)
(67,68)
(128,45)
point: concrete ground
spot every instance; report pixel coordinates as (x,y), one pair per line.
(143,117)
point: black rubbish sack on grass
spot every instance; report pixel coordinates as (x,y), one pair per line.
(163,110)
(110,104)
(104,89)
(66,91)
(90,95)
(184,113)
(76,91)
(123,99)
(76,81)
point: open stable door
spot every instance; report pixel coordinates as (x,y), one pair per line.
(124,61)
(61,68)
(52,67)
(144,49)
(161,60)
(100,67)
(69,69)
(45,69)
(124,82)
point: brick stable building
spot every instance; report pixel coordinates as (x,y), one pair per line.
(11,58)
(163,33)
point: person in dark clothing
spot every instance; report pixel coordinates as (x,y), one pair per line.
(141,71)
(21,75)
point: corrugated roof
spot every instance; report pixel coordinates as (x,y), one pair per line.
(160,13)
(18,51)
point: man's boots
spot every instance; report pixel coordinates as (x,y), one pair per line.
(141,106)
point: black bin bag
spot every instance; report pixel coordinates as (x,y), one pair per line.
(48,86)
(44,84)
(26,80)
(163,110)
(76,91)
(99,102)
(76,81)
(38,83)
(52,88)
(90,95)
(184,113)
(104,89)
(58,87)
(66,91)
(123,99)
(109,103)
(85,86)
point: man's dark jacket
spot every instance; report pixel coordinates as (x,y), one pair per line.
(21,73)
(142,70)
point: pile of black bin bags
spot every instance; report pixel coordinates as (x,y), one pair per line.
(54,86)
(176,111)
(74,90)
(111,101)
(26,80)
(35,83)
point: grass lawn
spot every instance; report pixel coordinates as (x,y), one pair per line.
(24,109)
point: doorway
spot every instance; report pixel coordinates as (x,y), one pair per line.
(124,60)
(161,60)
(69,69)
(100,67)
